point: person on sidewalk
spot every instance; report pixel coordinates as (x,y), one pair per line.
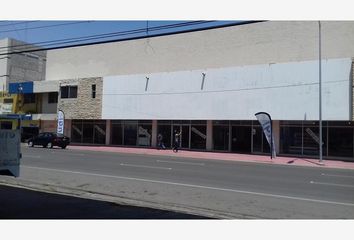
(176,141)
(160,143)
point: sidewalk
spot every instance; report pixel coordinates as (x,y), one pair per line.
(295,161)
(23,203)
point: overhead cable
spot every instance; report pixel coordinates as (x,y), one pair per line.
(24,47)
(32,48)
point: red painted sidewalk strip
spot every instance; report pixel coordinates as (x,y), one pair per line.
(222,156)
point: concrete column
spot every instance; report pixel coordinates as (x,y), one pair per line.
(351,91)
(209,140)
(154,134)
(276,132)
(108,132)
(67,127)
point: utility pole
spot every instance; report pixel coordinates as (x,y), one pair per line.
(147,28)
(320,90)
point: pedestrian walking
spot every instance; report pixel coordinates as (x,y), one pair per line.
(176,141)
(160,143)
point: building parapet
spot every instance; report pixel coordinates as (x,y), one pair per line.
(45,86)
(44,116)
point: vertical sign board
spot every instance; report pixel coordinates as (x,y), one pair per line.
(266,123)
(60,125)
(10,151)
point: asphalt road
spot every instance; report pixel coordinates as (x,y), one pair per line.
(211,188)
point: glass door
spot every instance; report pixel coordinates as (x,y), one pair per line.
(260,143)
(241,139)
(185,137)
(257,139)
(130,133)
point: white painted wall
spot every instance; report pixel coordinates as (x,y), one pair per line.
(252,44)
(288,91)
(45,86)
(48,107)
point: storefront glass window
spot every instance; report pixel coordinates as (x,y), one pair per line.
(198,136)
(76,131)
(87,133)
(144,134)
(221,137)
(311,140)
(260,143)
(130,133)
(184,139)
(241,139)
(290,140)
(116,133)
(165,131)
(340,142)
(99,128)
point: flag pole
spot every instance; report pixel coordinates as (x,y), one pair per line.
(271,139)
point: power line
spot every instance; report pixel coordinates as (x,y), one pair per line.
(46,26)
(37,48)
(23,22)
(99,36)
(107,35)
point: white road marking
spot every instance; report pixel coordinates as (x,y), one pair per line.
(332,184)
(143,166)
(187,163)
(29,156)
(195,186)
(333,175)
(68,153)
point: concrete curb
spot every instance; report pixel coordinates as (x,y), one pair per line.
(262,159)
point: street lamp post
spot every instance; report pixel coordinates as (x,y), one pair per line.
(320,90)
(19,90)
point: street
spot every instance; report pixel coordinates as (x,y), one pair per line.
(210,188)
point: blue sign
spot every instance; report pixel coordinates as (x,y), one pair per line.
(20,88)
(16,116)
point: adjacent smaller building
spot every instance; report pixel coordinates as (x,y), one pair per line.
(19,73)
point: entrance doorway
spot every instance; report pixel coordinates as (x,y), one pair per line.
(184,138)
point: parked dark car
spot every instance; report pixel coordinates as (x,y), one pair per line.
(48,139)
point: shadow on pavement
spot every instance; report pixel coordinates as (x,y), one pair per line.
(18,203)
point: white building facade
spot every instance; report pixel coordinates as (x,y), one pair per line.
(209,84)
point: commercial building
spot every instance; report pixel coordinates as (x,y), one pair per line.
(18,73)
(209,84)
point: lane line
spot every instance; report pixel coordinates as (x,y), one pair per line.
(332,184)
(187,163)
(74,154)
(143,166)
(60,151)
(195,186)
(29,156)
(334,175)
